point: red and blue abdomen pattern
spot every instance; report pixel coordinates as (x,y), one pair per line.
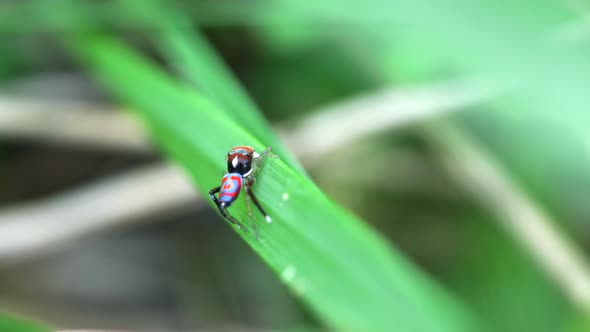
(231,184)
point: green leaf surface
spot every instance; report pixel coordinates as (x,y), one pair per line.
(194,59)
(343,270)
(12,324)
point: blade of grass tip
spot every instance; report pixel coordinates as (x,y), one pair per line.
(195,60)
(338,266)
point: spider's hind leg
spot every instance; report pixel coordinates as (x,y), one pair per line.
(223,208)
(252,222)
(231,219)
(250,195)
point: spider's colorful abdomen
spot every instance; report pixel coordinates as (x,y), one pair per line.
(231,185)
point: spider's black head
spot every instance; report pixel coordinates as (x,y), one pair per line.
(239,160)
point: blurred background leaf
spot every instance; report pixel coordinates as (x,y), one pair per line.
(12,324)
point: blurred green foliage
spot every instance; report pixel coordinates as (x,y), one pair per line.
(305,54)
(11,324)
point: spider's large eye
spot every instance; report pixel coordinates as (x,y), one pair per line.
(242,169)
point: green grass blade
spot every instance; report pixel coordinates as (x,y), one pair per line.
(12,324)
(195,60)
(343,270)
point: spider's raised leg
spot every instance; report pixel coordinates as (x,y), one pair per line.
(259,158)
